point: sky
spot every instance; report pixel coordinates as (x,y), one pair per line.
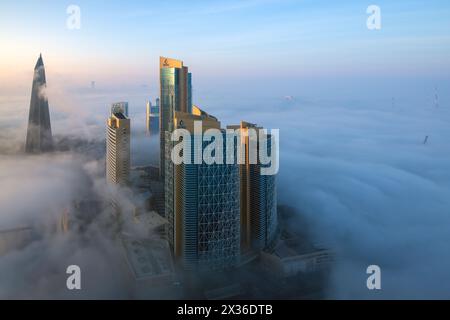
(277,44)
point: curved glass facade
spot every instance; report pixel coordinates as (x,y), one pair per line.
(203,211)
(175,95)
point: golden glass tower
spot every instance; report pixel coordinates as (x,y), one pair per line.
(259,219)
(118,149)
(175,95)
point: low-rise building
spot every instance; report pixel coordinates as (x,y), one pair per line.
(15,239)
(288,259)
(150,267)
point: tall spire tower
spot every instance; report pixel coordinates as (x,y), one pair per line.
(39,134)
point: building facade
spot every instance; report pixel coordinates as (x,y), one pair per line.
(152,118)
(15,239)
(258,200)
(202,205)
(120,107)
(39,133)
(118,149)
(175,95)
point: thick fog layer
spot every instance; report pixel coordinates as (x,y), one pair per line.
(371,178)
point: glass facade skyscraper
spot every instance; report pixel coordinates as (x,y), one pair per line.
(39,133)
(202,205)
(263,208)
(259,218)
(215,212)
(118,149)
(152,118)
(175,95)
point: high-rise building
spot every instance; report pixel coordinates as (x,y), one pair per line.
(39,133)
(202,203)
(259,219)
(152,118)
(120,107)
(118,149)
(175,94)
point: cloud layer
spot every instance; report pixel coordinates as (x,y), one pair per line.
(374,192)
(359,172)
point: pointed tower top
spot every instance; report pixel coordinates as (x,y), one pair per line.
(40,62)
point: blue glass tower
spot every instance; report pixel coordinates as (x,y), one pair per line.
(202,208)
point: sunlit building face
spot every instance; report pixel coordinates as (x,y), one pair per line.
(175,95)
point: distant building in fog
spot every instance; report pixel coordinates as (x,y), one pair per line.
(118,149)
(15,239)
(287,260)
(120,107)
(152,118)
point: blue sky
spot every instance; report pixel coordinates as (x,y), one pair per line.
(290,40)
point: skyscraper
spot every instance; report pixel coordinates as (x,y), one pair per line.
(259,219)
(175,94)
(152,118)
(118,149)
(39,133)
(202,204)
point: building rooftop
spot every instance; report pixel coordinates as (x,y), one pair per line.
(13,230)
(15,238)
(151,219)
(295,247)
(165,62)
(39,62)
(120,115)
(148,258)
